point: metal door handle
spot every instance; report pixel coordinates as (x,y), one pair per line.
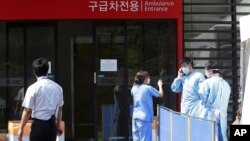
(94,77)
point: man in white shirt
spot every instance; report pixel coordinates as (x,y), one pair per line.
(43,102)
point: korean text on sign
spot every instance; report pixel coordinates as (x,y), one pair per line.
(114,5)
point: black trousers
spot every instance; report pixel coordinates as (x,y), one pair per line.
(120,128)
(43,131)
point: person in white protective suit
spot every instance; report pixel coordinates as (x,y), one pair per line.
(215,93)
(188,82)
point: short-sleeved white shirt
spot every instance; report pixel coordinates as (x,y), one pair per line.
(43,97)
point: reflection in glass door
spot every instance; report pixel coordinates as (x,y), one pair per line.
(152,46)
(104,68)
(133,45)
(111,87)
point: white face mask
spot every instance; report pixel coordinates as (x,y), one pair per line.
(207,74)
(148,81)
(185,70)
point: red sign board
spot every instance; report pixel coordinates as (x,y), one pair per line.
(94,9)
(89,9)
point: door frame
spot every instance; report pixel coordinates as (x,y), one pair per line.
(94,61)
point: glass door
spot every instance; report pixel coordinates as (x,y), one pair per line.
(105,64)
(111,87)
(25,42)
(99,95)
(83,95)
(152,46)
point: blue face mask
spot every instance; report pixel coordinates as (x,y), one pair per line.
(185,70)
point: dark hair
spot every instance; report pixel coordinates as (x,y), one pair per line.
(40,67)
(212,65)
(140,77)
(187,60)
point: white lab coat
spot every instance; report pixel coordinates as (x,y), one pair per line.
(215,94)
